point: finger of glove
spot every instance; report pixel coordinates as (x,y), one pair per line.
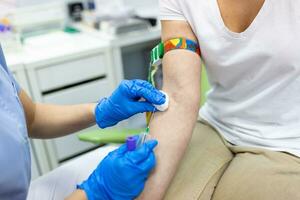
(142,153)
(144,84)
(122,149)
(151,144)
(140,107)
(148,164)
(148,92)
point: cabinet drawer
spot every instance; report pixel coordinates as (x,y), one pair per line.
(70,145)
(56,76)
(85,93)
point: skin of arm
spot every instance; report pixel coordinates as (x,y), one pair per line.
(173,128)
(77,195)
(50,121)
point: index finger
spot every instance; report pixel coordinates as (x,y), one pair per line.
(143,89)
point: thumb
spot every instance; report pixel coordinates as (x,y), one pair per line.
(151,144)
(141,153)
(121,150)
(143,106)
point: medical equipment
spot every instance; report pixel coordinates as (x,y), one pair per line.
(163,107)
(136,141)
(131,143)
(9,39)
(113,9)
(90,4)
(51,14)
(123,26)
(144,135)
(75,9)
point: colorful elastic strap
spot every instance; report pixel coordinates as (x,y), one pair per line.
(161,49)
(181,43)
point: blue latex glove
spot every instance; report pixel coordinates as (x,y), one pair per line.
(124,102)
(122,174)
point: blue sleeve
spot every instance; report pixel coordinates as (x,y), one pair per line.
(18,88)
(3,64)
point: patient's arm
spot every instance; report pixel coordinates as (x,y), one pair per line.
(173,128)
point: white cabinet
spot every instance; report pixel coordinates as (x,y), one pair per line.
(72,77)
(71,72)
(69,146)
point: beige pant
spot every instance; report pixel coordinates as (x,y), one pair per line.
(214,169)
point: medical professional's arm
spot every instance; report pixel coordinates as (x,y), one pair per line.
(77,195)
(50,121)
(173,128)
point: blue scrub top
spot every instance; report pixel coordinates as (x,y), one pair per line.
(14,143)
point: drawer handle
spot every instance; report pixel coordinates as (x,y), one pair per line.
(73,85)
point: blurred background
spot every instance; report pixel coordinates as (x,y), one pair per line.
(69,52)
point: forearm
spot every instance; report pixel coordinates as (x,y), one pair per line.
(52,121)
(173,128)
(173,131)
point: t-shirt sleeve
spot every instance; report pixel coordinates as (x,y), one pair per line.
(170,10)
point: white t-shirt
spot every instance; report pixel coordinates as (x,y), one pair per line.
(254,75)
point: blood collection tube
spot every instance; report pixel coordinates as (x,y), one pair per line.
(131,143)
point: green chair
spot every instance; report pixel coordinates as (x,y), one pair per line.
(111,135)
(204,85)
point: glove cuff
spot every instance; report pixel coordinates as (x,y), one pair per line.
(99,114)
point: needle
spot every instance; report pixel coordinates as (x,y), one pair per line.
(151,118)
(143,139)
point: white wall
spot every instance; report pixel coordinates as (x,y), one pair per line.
(22,3)
(140,3)
(8,6)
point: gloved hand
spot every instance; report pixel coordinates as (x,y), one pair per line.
(124,102)
(122,174)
